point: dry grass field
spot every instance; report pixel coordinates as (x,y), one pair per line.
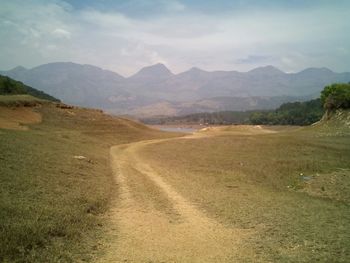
(288,189)
(224,194)
(51,203)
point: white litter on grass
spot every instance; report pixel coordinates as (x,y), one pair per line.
(79,157)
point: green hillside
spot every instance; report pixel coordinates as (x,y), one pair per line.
(9,86)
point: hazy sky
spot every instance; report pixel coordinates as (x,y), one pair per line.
(125,35)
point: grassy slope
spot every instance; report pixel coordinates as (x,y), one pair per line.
(50,202)
(292,188)
(20,100)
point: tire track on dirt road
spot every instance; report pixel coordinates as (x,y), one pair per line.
(142,233)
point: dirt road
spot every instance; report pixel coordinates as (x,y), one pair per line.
(152,222)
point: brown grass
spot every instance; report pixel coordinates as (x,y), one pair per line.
(291,187)
(51,204)
(15,118)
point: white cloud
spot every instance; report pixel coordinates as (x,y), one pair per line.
(61,33)
(38,31)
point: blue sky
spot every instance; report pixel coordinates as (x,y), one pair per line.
(125,35)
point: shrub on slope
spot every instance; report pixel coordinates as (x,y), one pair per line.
(9,86)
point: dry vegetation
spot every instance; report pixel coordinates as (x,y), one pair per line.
(50,202)
(291,188)
(272,194)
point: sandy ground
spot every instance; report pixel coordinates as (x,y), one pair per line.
(161,225)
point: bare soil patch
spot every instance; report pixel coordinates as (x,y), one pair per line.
(16,118)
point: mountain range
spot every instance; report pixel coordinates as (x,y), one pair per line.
(155,90)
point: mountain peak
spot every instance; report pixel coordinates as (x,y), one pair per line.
(74,68)
(195,69)
(158,70)
(63,65)
(15,72)
(19,68)
(323,70)
(266,70)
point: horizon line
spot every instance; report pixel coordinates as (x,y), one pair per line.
(163,64)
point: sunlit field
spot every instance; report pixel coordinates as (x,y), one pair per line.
(291,188)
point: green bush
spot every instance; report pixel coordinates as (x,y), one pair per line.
(336,96)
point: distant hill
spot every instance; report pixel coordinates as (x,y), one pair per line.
(9,86)
(291,113)
(155,89)
(204,118)
(82,85)
(152,73)
(332,107)
(197,84)
(216,104)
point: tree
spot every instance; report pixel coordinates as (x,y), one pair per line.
(336,96)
